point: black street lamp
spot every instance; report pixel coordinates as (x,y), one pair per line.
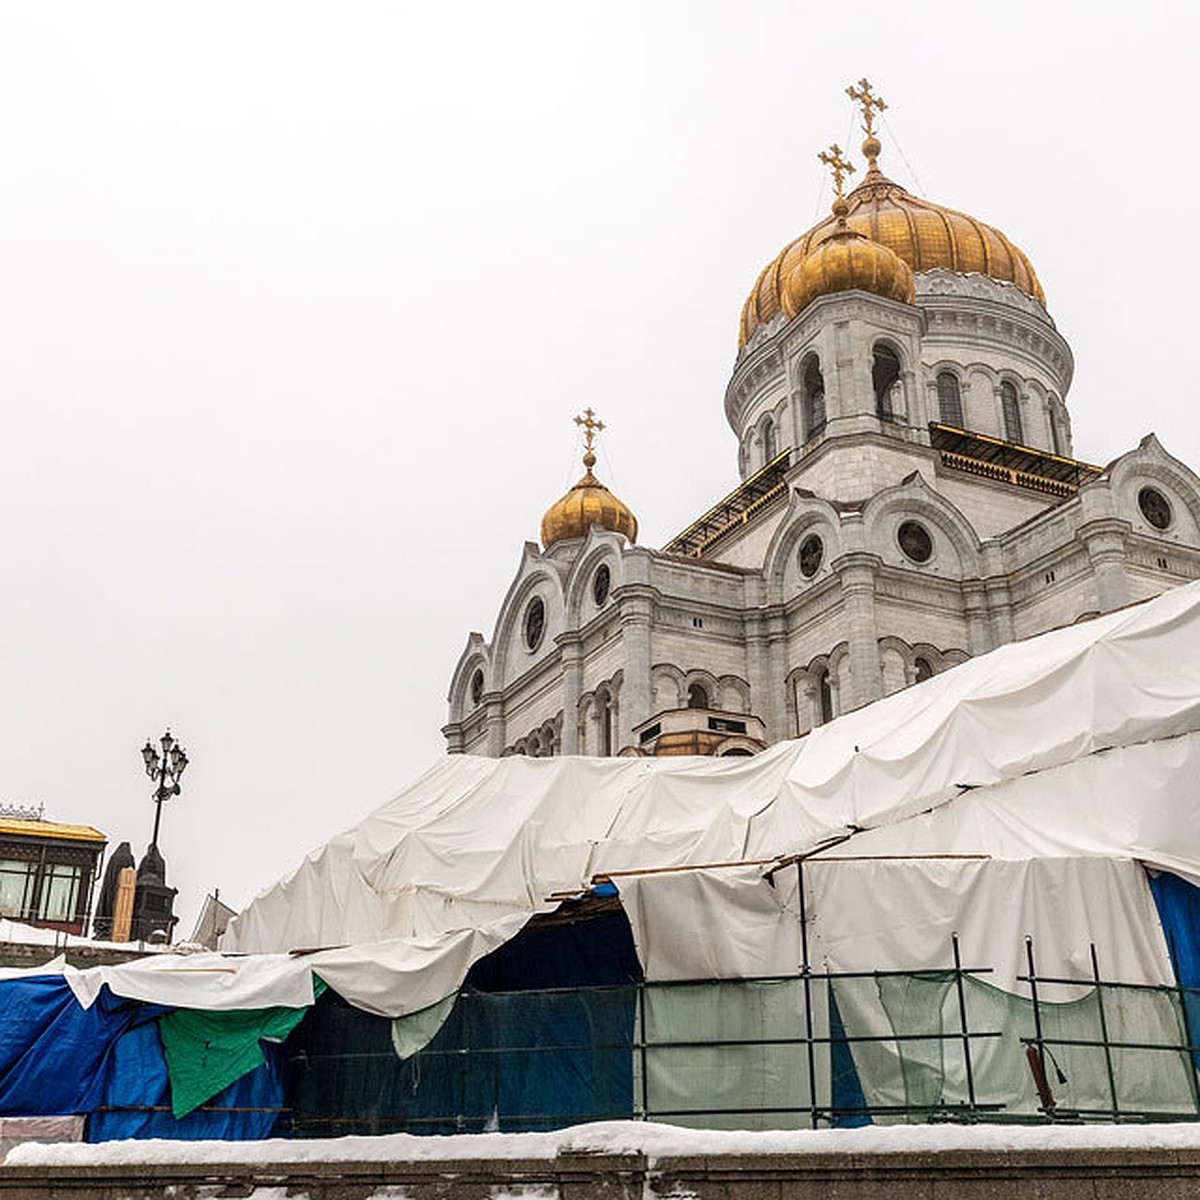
(165,770)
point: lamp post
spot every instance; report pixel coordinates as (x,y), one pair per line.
(165,770)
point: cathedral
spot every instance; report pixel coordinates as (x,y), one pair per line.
(908,499)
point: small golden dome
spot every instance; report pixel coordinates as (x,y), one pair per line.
(925,235)
(588,503)
(843,261)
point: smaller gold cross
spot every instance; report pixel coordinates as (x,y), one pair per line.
(591,427)
(833,159)
(870,104)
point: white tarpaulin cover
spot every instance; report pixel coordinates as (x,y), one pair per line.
(462,857)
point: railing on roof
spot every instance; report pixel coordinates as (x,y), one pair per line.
(744,503)
(1007,462)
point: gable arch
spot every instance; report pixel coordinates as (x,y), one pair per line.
(1151,465)
(510,656)
(476,656)
(914,499)
(600,548)
(806,515)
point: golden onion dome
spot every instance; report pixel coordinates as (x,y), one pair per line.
(588,503)
(925,235)
(845,260)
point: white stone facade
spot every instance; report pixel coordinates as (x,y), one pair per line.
(1016,543)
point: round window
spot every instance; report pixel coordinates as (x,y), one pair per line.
(915,541)
(535,622)
(601,582)
(1156,508)
(812,550)
(477,688)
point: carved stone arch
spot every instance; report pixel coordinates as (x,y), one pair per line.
(914,498)
(895,663)
(953,657)
(536,573)
(475,657)
(804,701)
(600,548)
(603,701)
(736,747)
(806,514)
(668,689)
(1149,463)
(704,679)
(733,694)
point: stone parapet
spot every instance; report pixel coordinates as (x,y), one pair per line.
(972,1174)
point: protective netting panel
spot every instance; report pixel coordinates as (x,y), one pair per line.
(922,1068)
(717,1084)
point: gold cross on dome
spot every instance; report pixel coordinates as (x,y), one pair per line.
(591,427)
(870,103)
(840,168)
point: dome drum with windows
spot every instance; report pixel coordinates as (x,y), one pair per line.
(589,502)
(882,215)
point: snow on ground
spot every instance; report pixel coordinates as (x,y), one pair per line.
(618,1137)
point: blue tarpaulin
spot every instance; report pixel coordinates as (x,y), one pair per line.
(56,1055)
(1179,912)
(136,1102)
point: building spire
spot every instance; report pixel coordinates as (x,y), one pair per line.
(870,103)
(839,168)
(591,427)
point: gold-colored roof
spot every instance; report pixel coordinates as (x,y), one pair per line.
(845,259)
(588,503)
(925,235)
(50,829)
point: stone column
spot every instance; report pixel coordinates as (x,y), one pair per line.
(856,572)
(975,610)
(999,601)
(455,742)
(493,709)
(636,616)
(572,673)
(766,674)
(1105,543)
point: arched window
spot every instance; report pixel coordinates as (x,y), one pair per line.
(697,696)
(949,399)
(824,697)
(604,719)
(768,441)
(814,397)
(885,373)
(922,670)
(1011,411)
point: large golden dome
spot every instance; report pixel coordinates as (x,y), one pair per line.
(925,235)
(588,503)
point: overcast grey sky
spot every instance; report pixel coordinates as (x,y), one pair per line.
(297,302)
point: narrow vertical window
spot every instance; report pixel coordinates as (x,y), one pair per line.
(814,397)
(949,400)
(606,725)
(1011,411)
(885,374)
(697,696)
(824,697)
(768,441)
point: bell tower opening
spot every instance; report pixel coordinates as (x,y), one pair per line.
(885,374)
